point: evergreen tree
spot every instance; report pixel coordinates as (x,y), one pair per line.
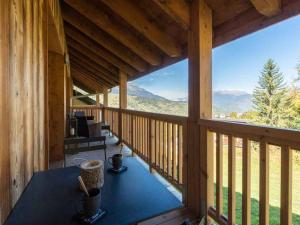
(270,96)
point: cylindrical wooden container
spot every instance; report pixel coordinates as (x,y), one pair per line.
(92,173)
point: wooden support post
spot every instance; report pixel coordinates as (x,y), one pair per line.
(122,100)
(97,100)
(98,105)
(105,103)
(200,153)
(105,97)
(57,105)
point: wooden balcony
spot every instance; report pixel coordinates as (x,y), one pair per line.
(47,46)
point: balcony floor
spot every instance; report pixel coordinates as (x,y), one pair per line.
(112,149)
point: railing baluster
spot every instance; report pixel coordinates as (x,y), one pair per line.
(174,151)
(161,147)
(170,149)
(180,151)
(219,170)
(139,136)
(157,143)
(286,186)
(231,180)
(246,220)
(150,143)
(164,148)
(264,183)
(143,136)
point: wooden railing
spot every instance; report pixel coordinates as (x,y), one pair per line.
(158,139)
(95,111)
(111,116)
(235,135)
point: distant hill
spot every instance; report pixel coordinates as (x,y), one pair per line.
(227,101)
(143,100)
(133,90)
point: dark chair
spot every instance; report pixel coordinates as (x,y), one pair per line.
(73,146)
(82,127)
(80,114)
(88,128)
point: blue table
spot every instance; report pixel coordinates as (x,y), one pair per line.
(52,197)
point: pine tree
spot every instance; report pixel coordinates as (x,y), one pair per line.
(270,96)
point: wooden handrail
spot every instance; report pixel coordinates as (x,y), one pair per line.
(274,136)
(85,107)
(157,116)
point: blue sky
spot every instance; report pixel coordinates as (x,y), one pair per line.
(236,65)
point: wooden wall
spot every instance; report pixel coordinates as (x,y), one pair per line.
(24,94)
(5,198)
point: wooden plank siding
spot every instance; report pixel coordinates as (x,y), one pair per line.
(24,94)
(5,193)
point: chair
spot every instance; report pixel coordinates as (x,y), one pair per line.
(74,146)
(80,114)
(88,128)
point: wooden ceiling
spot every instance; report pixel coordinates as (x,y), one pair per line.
(141,36)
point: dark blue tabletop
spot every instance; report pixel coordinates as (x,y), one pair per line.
(51,198)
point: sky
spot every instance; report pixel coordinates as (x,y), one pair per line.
(237,64)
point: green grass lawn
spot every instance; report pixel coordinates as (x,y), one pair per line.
(275,167)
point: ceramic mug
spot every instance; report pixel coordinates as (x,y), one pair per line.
(116,161)
(91,204)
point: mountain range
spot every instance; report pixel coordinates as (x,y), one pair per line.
(133,90)
(224,101)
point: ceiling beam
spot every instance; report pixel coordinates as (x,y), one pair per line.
(102,74)
(267,7)
(87,80)
(82,86)
(92,70)
(89,74)
(104,21)
(251,21)
(99,60)
(83,25)
(137,19)
(178,10)
(88,58)
(84,79)
(82,40)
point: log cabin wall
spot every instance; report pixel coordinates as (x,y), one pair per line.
(24,114)
(5,197)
